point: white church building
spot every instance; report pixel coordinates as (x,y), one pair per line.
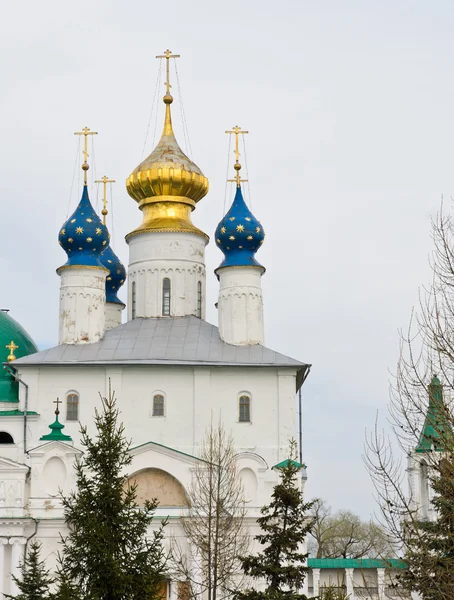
(171,370)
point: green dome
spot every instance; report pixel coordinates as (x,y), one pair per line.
(11,331)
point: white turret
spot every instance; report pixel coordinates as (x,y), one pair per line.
(83,277)
(240,306)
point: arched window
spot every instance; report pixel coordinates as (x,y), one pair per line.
(72,407)
(133,299)
(199,300)
(6,438)
(166,297)
(244,409)
(424,487)
(158,405)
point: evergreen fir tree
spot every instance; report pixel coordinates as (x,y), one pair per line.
(106,555)
(429,553)
(35,581)
(285,524)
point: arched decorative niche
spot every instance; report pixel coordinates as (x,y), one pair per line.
(156,483)
(249,481)
(54,475)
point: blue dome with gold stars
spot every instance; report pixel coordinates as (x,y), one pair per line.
(116,277)
(83,237)
(239,235)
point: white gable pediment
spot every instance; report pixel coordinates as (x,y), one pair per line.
(11,467)
(55,447)
(152,455)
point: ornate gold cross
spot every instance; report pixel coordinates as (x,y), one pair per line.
(105,181)
(236,131)
(168,55)
(11,347)
(85,132)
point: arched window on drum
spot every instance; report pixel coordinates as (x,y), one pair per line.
(166,297)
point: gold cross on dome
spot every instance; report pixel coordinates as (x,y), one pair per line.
(105,180)
(57,402)
(236,131)
(85,132)
(11,347)
(168,55)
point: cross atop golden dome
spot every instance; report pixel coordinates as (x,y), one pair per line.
(167,184)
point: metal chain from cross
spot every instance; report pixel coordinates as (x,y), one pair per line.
(105,180)
(85,132)
(168,55)
(237,166)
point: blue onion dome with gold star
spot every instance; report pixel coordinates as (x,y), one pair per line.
(239,235)
(116,277)
(84,236)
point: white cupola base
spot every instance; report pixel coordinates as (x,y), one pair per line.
(82,304)
(166,275)
(113,314)
(240,305)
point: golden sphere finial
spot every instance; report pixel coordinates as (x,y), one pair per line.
(237,166)
(85,167)
(168,99)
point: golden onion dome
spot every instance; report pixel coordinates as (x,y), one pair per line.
(167,185)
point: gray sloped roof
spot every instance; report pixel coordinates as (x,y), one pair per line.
(170,341)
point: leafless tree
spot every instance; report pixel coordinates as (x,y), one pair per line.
(344,535)
(426,349)
(215,524)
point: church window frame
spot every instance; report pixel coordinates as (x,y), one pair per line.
(166,296)
(244,407)
(158,406)
(72,406)
(199,300)
(133,300)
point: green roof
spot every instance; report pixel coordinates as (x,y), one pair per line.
(285,463)
(355,563)
(435,424)
(16,413)
(11,331)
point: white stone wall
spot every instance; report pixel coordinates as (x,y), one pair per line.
(240,306)
(156,255)
(193,397)
(82,305)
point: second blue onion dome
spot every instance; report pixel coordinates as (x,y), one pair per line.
(84,236)
(116,277)
(239,235)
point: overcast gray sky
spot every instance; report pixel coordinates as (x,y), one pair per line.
(349,104)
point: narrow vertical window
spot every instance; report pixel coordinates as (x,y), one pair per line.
(72,407)
(199,300)
(245,409)
(166,297)
(158,405)
(133,299)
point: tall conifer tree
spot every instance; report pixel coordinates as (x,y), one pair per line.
(107,555)
(285,524)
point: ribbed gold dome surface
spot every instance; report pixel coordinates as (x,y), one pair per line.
(167,185)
